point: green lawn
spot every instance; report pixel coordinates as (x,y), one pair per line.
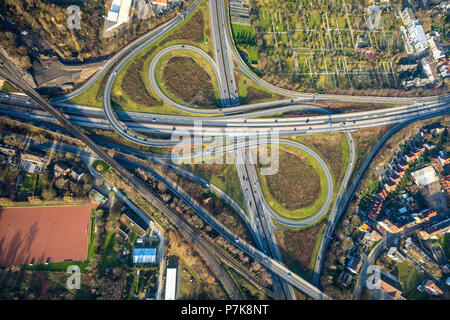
(101,166)
(8,88)
(111,258)
(28,187)
(92,236)
(249,92)
(249,292)
(409,277)
(226,178)
(445,244)
(243,34)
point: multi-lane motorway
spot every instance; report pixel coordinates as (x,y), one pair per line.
(10,72)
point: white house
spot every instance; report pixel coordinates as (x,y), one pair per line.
(118,14)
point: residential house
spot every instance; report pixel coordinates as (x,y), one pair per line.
(354,264)
(365,228)
(430,69)
(395,255)
(382,194)
(372,237)
(8,151)
(410,157)
(160,2)
(32,162)
(445,181)
(61,169)
(432,289)
(396,178)
(390,185)
(437,165)
(375,210)
(434,46)
(403,165)
(399,172)
(435,231)
(429,146)
(390,285)
(345,278)
(443,157)
(424,215)
(418,151)
(388,226)
(76,173)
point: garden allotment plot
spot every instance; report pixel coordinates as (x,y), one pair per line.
(327,44)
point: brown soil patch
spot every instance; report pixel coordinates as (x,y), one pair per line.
(297,247)
(296,184)
(134,86)
(44,234)
(191,31)
(188,81)
(254,94)
(329,147)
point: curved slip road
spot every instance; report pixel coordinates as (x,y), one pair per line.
(322,211)
(164,97)
(133,49)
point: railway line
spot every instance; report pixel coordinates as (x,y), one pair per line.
(16,77)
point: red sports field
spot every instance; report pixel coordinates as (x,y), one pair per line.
(44,234)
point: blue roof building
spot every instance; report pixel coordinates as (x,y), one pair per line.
(144,255)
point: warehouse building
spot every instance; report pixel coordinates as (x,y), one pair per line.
(118,14)
(171,283)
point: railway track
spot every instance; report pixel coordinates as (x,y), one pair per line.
(16,77)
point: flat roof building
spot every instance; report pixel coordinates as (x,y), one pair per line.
(144,255)
(424,176)
(118,14)
(171,283)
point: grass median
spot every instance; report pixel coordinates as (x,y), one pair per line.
(299,189)
(187,78)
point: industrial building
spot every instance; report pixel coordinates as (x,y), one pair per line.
(171,283)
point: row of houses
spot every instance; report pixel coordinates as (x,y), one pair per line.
(426,46)
(407,222)
(61,169)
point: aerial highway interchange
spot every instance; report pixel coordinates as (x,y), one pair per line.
(232,119)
